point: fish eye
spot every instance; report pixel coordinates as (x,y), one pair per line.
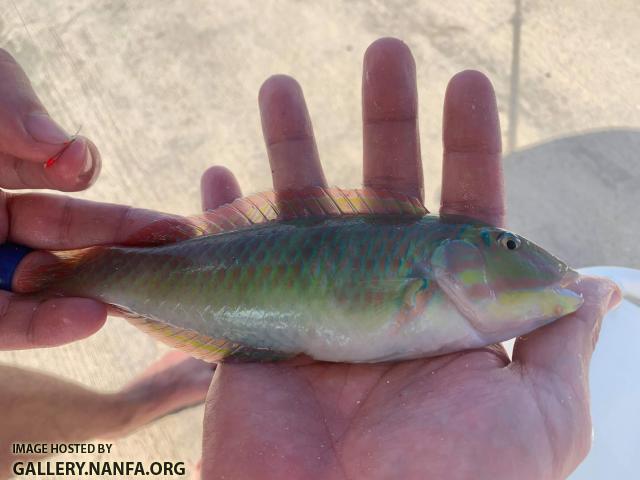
(509,241)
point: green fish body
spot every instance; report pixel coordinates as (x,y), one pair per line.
(365,287)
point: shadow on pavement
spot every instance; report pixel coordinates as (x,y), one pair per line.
(579,196)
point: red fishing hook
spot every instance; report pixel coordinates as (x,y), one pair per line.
(53,159)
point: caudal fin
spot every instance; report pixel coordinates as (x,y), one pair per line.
(50,271)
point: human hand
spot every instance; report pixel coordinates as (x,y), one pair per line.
(471,414)
(46,408)
(28,138)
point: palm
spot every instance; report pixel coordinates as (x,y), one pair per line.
(472,414)
(403,420)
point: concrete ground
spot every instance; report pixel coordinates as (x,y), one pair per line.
(166,89)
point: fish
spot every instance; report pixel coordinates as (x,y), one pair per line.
(359,276)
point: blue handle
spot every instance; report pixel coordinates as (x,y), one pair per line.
(11,254)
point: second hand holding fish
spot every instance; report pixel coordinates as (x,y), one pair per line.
(472,414)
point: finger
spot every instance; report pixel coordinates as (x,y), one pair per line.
(29,134)
(217,187)
(27,131)
(472,183)
(391,144)
(56,222)
(29,137)
(288,134)
(564,348)
(27,323)
(76,168)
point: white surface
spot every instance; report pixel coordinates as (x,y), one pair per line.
(615,387)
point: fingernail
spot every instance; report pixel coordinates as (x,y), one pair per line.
(44,129)
(90,168)
(88,163)
(609,292)
(616,298)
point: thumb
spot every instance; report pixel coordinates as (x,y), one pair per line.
(554,361)
(27,130)
(566,345)
(29,137)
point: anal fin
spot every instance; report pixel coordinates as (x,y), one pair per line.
(198,345)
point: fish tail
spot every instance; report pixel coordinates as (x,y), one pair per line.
(53,271)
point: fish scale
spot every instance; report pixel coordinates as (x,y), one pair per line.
(270,268)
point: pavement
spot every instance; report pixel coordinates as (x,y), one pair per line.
(166,89)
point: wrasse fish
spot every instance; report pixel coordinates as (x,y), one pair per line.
(339,275)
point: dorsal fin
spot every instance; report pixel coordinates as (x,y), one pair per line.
(316,202)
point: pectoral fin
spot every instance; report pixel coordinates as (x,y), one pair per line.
(415,296)
(458,267)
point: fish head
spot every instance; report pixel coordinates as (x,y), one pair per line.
(504,284)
